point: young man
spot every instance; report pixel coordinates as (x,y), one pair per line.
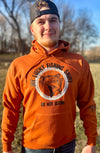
(49,80)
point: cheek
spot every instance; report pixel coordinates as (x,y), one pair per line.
(57,27)
(35,31)
(38,33)
(38,30)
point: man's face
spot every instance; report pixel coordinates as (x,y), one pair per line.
(46,29)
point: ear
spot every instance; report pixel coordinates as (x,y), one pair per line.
(31,29)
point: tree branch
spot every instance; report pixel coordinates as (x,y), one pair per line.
(8,20)
(13,5)
(22,2)
(7,9)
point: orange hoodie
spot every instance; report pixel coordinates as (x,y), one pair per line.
(49,85)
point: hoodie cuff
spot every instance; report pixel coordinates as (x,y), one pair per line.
(91,141)
(6,147)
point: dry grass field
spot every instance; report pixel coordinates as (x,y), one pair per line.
(81,139)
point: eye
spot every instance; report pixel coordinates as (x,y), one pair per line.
(53,20)
(41,22)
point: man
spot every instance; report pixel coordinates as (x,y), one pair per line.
(49,80)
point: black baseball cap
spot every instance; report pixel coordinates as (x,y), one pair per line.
(35,12)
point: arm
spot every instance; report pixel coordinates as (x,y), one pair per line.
(12,98)
(87,105)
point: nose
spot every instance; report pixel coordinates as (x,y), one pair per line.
(48,25)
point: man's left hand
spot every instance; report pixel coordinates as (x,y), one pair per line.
(89,149)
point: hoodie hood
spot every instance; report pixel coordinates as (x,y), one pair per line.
(37,48)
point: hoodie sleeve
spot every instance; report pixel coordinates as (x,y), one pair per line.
(12,98)
(87,104)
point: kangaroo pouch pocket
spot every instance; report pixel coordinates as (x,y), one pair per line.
(50,128)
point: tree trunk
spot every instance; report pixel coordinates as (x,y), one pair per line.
(82,51)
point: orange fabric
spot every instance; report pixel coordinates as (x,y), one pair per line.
(49,85)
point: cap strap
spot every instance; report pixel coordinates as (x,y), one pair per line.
(49,11)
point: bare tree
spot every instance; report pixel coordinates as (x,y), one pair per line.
(86,30)
(79,31)
(26,12)
(2,34)
(68,32)
(12,15)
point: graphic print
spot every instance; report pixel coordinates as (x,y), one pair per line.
(51,83)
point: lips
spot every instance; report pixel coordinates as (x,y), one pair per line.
(48,34)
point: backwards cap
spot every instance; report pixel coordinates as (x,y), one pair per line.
(35,11)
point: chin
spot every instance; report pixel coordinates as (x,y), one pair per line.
(50,43)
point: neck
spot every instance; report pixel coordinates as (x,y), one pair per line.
(49,49)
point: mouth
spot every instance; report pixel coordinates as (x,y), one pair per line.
(48,34)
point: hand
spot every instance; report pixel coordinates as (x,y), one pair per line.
(89,149)
(8,152)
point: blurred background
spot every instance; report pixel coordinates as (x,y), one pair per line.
(80,26)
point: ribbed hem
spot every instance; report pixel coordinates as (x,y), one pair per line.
(91,141)
(35,145)
(6,147)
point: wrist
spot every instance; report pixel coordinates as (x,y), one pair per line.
(7,148)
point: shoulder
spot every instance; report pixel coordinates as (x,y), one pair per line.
(19,65)
(75,59)
(76,56)
(21,61)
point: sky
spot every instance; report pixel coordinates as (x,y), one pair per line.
(93,6)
